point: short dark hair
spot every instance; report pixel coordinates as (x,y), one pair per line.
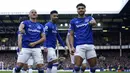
(81,4)
(53,11)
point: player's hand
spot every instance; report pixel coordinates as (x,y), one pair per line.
(18,51)
(32,44)
(66,52)
(72,51)
(92,21)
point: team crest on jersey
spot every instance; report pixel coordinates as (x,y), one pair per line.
(38,27)
(86,20)
(77,22)
(54,31)
(46,28)
(29,25)
(56,28)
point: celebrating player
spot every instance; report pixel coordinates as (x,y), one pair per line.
(51,39)
(31,36)
(81,33)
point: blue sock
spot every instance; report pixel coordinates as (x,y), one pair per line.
(54,68)
(40,70)
(17,69)
(76,68)
(49,66)
(55,64)
(73,70)
(92,69)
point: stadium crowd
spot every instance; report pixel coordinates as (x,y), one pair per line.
(8,40)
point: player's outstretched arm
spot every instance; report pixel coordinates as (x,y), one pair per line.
(60,40)
(71,40)
(20,41)
(67,43)
(43,38)
(20,33)
(62,43)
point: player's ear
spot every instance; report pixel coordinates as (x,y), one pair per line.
(29,15)
(85,9)
(51,16)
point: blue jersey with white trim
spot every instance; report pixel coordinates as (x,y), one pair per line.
(52,35)
(33,31)
(82,30)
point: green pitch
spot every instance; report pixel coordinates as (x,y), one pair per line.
(67,72)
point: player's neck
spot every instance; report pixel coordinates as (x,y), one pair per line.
(33,20)
(81,16)
(53,21)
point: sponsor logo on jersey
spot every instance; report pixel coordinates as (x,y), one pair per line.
(38,27)
(82,25)
(29,25)
(86,20)
(33,30)
(54,31)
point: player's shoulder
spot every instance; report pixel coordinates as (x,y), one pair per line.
(40,24)
(73,20)
(89,17)
(25,22)
(49,24)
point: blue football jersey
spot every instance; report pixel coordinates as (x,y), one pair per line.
(52,35)
(82,30)
(33,31)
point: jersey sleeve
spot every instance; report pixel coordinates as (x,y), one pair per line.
(25,26)
(24,22)
(42,29)
(46,29)
(91,18)
(71,26)
(60,40)
(68,32)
